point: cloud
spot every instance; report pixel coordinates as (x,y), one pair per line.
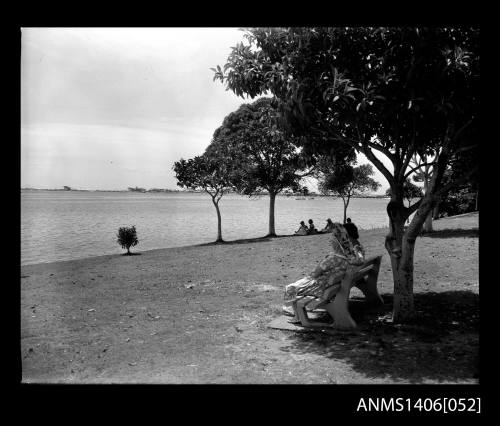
(105,156)
(143,96)
(108,108)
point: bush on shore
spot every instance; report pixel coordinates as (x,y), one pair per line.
(127,237)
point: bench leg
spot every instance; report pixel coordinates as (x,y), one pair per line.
(338,309)
(301,313)
(368,287)
(295,308)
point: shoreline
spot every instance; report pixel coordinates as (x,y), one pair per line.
(474,216)
(209,244)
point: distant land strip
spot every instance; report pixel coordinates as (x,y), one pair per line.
(142,190)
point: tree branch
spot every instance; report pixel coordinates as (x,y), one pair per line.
(417,167)
(383,150)
(413,207)
(378,164)
(408,155)
(410,150)
(371,156)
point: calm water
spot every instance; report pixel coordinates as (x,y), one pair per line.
(71,225)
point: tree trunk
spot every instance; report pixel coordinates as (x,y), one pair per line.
(477,200)
(428,219)
(401,255)
(219,222)
(403,305)
(401,247)
(346,204)
(428,223)
(272,199)
(128,250)
(435,214)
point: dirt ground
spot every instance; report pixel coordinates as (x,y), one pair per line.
(199,314)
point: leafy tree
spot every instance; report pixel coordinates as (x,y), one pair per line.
(466,194)
(267,159)
(209,172)
(127,237)
(458,201)
(391,91)
(462,198)
(346,181)
(410,192)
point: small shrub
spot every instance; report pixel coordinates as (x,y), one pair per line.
(127,237)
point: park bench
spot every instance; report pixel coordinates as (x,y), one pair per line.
(335,298)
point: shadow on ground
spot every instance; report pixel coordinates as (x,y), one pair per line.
(453,233)
(441,343)
(244,241)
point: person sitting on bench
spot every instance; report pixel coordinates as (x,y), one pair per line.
(332,268)
(302,229)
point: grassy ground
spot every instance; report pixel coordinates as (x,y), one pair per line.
(198,315)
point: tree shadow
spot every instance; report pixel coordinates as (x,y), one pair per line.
(244,241)
(131,254)
(453,233)
(441,343)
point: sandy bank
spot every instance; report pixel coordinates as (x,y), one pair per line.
(197,314)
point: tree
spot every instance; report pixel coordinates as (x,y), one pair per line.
(267,159)
(346,181)
(461,198)
(127,237)
(208,172)
(410,192)
(383,91)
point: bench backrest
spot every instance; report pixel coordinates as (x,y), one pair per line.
(370,263)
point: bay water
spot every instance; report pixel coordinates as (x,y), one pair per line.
(65,225)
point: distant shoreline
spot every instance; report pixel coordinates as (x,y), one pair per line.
(177,191)
(102,190)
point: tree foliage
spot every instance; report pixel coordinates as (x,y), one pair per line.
(393,91)
(410,191)
(127,237)
(211,172)
(398,91)
(265,157)
(346,181)
(203,173)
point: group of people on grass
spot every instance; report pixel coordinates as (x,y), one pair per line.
(350,227)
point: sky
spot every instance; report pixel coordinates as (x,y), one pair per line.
(112,108)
